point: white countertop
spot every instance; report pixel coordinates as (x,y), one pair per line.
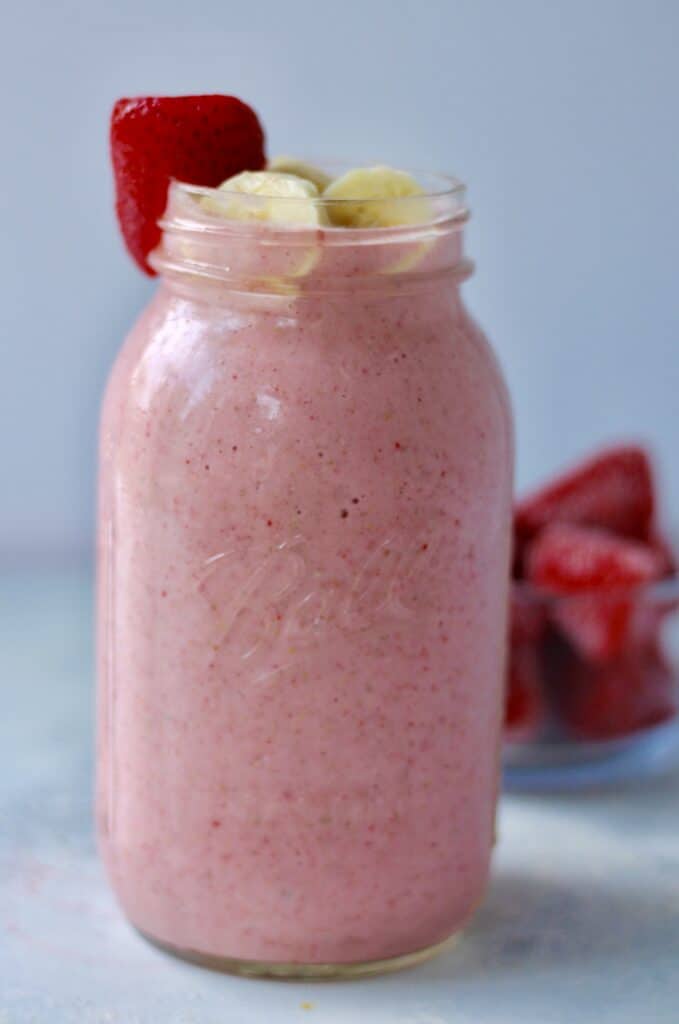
(581,922)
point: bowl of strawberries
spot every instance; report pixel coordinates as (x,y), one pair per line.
(593,667)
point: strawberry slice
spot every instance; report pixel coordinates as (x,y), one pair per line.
(665,549)
(599,626)
(527,616)
(524,702)
(613,490)
(201,140)
(602,626)
(568,559)
(594,575)
(630,693)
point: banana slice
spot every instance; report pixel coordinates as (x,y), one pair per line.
(373,198)
(301,169)
(286,199)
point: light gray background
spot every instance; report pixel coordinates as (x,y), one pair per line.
(562,116)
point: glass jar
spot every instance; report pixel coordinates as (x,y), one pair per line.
(305,506)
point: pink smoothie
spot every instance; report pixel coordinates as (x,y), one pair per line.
(304,544)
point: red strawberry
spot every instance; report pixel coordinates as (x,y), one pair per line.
(599,626)
(618,698)
(197,139)
(594,574)
(525,706)
(557,660)
(661,544)
(517,560)
(527,615)
(567,559)
(603,625)
(613,490)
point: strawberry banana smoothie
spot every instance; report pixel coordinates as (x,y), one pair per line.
(304,548)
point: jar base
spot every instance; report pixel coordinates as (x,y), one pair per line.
(308,972)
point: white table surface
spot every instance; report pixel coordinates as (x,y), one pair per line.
(581,923)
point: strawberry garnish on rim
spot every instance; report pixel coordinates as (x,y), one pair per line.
(201,140)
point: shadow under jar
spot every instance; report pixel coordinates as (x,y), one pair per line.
(593,685)
(305,510)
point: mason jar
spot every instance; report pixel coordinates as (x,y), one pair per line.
(304,534)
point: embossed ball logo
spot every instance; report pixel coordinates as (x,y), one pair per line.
(276,603)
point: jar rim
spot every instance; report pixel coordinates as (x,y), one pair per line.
(307,253)
(433,183)
(442,201)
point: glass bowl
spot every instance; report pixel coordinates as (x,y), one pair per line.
(593,685)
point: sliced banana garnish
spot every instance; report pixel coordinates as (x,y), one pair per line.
(287,194)
(372,197)
(285,199)
(300,168)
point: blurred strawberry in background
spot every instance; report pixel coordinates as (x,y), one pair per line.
(586,658)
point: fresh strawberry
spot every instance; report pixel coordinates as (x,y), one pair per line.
(662,546)
(517,561)
(201,140)
(527,615)
(631,693)
(525,706)
(613,490)
(599,626)
(588,542)
(594,575)
(566,559)
(524,700)
(557,660)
